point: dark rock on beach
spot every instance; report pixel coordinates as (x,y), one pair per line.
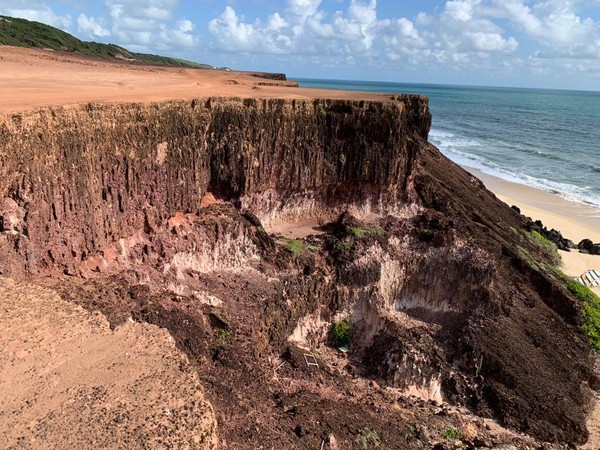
(585,244)
(588,246)
(552,235)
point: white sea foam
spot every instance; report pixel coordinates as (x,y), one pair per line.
(451,140)
(457,148)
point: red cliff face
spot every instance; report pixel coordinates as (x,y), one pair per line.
(88,175)
(167,213)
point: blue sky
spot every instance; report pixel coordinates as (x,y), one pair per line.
(531,43)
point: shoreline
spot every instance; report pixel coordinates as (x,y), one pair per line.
(576,221)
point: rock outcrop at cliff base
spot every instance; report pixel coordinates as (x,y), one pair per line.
(447,297)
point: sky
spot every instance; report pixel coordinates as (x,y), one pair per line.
(526,43)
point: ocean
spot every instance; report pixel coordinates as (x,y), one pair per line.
(546,139)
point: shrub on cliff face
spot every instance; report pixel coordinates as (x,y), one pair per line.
(299,248)
(368,439)
(366,231)
(547,246)
(343,246)
(589,300)
(223,337)
(451,433)
(341,333)
(591,308)
(591,311)
(294,246)
(591,327)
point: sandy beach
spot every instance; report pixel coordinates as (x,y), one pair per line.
(575,221)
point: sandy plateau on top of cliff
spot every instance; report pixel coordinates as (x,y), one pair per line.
(34,78)
(68,381)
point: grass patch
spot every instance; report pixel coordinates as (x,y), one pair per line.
(341,333)
(368,439)
(294,246)
(298,247)
(548,247)
(591,308)
(591,327)
(589,300)
(223,337)
(366,231)
(451,434)
(343,246)
(532,262)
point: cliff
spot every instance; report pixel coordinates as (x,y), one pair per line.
(193,215)
(83,177)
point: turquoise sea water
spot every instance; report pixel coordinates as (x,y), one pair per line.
(548,139)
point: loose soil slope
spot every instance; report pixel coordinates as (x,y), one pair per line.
(68,381)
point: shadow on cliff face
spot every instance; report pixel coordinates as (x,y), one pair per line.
(234,322)
(442,305)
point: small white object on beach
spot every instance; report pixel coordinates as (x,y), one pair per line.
(591,278)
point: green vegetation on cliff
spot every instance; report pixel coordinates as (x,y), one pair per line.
(590,302)
(24,33)
(341,333)
(591,308)
(546,246)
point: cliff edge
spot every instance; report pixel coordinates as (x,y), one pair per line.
(249,226)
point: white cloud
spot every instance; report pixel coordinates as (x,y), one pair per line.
(498,36)
(144,9)
(364,13)
(551,22)
(142,25)
(235,35)
(276,22)
(302,9)
(496,33)
(91,26)
(491,42)
(37,11)
(302,28)
(401,39)
(461,10)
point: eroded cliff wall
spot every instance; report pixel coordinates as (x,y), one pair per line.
(447,297)
(76,179)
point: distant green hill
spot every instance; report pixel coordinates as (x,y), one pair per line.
(24,33)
